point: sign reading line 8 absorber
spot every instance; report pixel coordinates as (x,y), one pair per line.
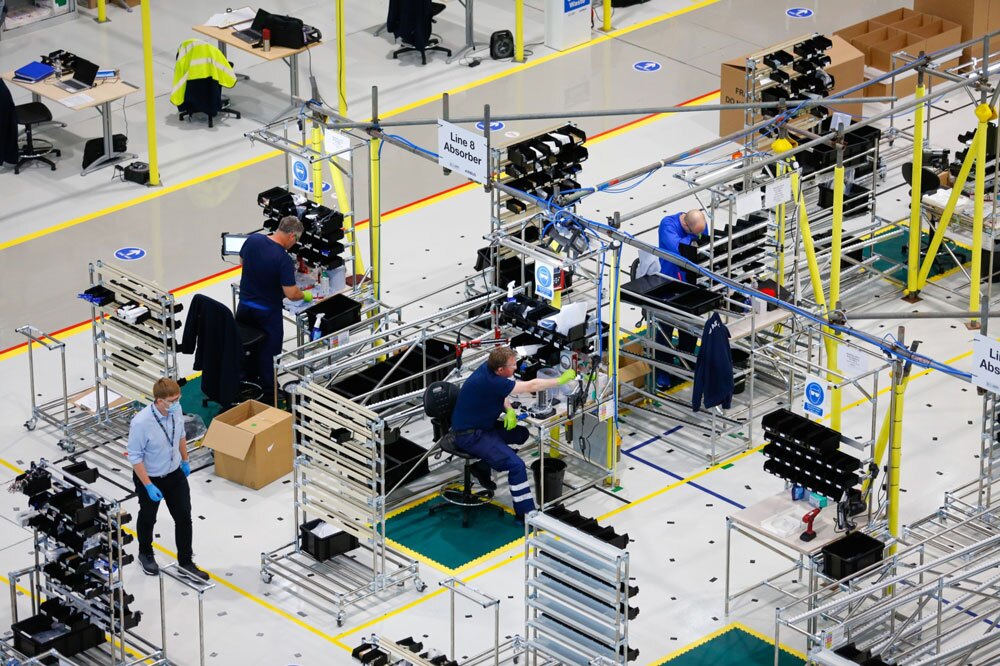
(462,151)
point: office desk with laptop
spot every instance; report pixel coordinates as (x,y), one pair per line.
(289,38)
(82,89)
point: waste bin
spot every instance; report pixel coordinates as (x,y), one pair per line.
(555,470)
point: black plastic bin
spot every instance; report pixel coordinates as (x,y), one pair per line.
(338,312)
(555,471)
(40,633)
(402,456)
(323,548)
(850,554)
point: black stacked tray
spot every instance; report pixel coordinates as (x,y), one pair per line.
(680,295)
(807,453)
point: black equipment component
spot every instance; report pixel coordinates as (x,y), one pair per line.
(501,45)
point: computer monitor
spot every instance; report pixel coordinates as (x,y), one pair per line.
(233,243)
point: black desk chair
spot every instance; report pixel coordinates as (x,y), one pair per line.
(205,96)
(29,115)
(929,182)
(439,402)
(410,21)
(928,179)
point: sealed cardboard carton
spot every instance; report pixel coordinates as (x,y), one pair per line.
(252,444)
(976,18)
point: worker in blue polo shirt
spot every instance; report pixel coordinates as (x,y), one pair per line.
(268,277)
(157,450)
(676,230)
(485,395)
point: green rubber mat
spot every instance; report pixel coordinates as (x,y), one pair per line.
(191,401)
(439,538)
(895,263)
(733,646)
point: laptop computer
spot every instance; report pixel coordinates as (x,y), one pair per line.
(253,34)
(84,73)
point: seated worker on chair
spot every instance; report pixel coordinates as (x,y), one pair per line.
(268,277)
(676,230)
(485,395)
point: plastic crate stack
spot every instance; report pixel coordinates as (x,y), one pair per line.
(807,454)
(80,541)
(543,164)
(577,595)
(323,228)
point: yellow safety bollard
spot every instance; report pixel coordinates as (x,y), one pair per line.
(147,60)
(983,113)
(913,256)
(518,30)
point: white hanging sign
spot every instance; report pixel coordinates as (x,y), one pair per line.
(986,363)
(462,151)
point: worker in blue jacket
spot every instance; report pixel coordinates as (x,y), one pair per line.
(676,230)
(485,395)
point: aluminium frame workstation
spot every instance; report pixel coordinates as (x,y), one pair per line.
(134,343)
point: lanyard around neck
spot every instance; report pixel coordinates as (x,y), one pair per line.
(173,425)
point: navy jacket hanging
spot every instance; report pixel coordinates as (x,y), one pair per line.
(211,334)
(8,127)
(713,370)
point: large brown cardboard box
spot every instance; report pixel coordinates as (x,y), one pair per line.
(977,18)
(252,444)
(846,67)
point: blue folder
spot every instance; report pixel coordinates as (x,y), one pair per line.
(34,72)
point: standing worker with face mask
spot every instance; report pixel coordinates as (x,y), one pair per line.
(157,449)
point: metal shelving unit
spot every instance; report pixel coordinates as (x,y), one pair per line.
(577,595)
(341,482)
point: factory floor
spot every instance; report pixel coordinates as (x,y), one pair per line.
(672,504)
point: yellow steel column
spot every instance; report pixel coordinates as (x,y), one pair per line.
(949,209)
(147,58)
(780,146)
(613,358)
(317,166)
(341,62)
(983,113)
(607,16)
(102,11)
(895,451)
(913,257)
(518,30)
(375,215)
(832,347)
(808,245)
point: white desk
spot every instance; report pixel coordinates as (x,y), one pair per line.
(99,97)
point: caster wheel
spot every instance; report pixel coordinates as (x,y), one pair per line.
(401,583)
(420,585)
(266,578)
(67,446)
(30,425)
(340,619)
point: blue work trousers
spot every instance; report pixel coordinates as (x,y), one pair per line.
(262,363)
(493,448)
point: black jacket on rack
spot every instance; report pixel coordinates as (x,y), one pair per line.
(9,151)
(410,21)
(211,334)
(713,371)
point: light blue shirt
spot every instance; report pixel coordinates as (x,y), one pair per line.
(159,451)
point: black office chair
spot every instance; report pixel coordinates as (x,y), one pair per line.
(928,179)
(410,21)
(439,402)
(205,96)
(29,115)
(929,182)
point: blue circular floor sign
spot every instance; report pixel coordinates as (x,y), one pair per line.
(495,126)
(646,66)
(800,12)
(130,253)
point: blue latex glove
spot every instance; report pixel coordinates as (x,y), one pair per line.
(186,468)
(154,492)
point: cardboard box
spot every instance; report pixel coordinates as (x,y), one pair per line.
(894,16)
(976,18)
(252,444)
(906,84)
(846,67)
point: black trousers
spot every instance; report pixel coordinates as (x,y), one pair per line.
(177,496)
(271,323)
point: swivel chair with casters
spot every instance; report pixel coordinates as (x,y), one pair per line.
(29,115)
(439,402)
(410,21)
(201,71)
(205,96)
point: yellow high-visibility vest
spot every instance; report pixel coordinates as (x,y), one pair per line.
(199,60)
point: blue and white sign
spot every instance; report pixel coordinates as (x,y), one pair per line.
(815,397)
(495,126)
(130,253)
(302,177)
(545,278)
(647,66)
(573,5)
(800,12)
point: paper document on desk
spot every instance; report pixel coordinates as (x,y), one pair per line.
(226,19)
(74,101)
(89,400)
